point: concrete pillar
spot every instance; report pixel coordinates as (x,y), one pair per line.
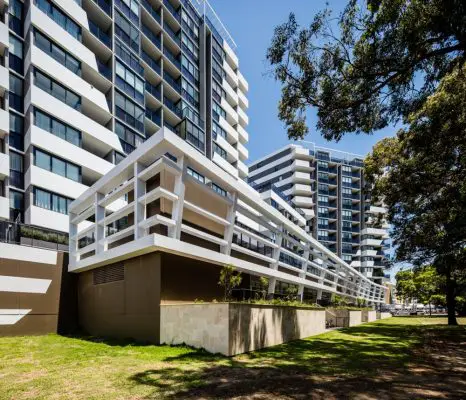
(99,233)
(139,208)
(229,230)
(177,211)
(274,265)
(73,240)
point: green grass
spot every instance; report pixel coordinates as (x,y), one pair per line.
(372,358)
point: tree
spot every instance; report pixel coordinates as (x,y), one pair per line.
(405,287)
(263,287)
(428,284)
(386,59)
(392,61)
(229,279)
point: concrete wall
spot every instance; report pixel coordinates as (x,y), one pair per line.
(237,328)
(254,327)
(369,316)
(30,290)
(384,315)
(355,318)
(199,325)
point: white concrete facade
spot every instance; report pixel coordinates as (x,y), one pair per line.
(327,185)
(199,199)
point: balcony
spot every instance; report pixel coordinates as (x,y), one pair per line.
(154,91)
(100,34)
(154,116)
(155,65)
(153,38)
(105,6)
(173,11)
(152,11)
(172,58)
(175,108)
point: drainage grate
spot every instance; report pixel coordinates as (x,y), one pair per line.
(110,273)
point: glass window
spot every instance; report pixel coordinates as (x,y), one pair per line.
(57,128)
(196,175)
(51,201)
(57,165)
(59,17)
(16,47)
(42,160)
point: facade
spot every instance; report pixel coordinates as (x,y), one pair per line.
(83,83)
(326,188)
(184,217)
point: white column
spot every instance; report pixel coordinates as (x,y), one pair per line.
(229,229)
(73,240)
(177,210)
(99,233)
(139,208)
(276,257)
(303,273)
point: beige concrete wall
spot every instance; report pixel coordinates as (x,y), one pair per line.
(384,315)
(232,329)
(254,327)
(199,325)
(369,316)
(355,318)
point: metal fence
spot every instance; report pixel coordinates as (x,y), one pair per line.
(28,235)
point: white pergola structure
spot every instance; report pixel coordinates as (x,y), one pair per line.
(197,199)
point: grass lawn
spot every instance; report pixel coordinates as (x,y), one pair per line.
(398,358)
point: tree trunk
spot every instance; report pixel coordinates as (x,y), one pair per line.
(430,309)
(451,301)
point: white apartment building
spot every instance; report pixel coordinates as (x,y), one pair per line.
(183,206)
(325,189)
(83,83)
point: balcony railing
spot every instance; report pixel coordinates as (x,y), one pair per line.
(154,91)
(172,10)
(105,6)
(152,11)
(154,116)
(152,63)
(28,235)
(167,53)
(104,70)
(172,82)
(175,36)
(251,245)
(100,34)
(152,36)
(175,108)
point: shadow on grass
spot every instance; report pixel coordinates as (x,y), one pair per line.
(370,361)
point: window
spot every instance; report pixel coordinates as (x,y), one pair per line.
(51,201)
(323,211)
(129,82)
(220,151)
(196,175)
(346,181)
(130,8)
(56,165)
(59,17)
(217,71)
(16,93)
(219,190)
(127,32)
(323,188)
(129,112)
(346,192)
(15,22)
(16,139)
(57,90)
(16,55)
(347,215)
(57,128)
(346,225)
(128,57)
(323,199)
(218,51)
(130,139)
(57,52)
(323,165)
(194,135)
(347,258)
(270,160)
(217,130)
(16,205)
(346,170)
(323,235)
(218,111)
(189,25)
(323,222)
(346,236)
(16,170)
(189,46)
(189,93)
(323,176)
(217,91)
(347,203)
(189,70)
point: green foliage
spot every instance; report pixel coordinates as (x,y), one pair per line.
(339,301)
(39,234)
(361,302)
(372,66)
(229,279)
(263,287)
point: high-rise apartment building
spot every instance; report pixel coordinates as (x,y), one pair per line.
(326,187)
(84,82)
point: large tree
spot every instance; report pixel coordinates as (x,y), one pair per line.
(381,62)
(370,67)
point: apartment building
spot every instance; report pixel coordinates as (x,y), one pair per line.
(325,188)
(83,83)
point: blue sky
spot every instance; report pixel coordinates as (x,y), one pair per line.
(251,24)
